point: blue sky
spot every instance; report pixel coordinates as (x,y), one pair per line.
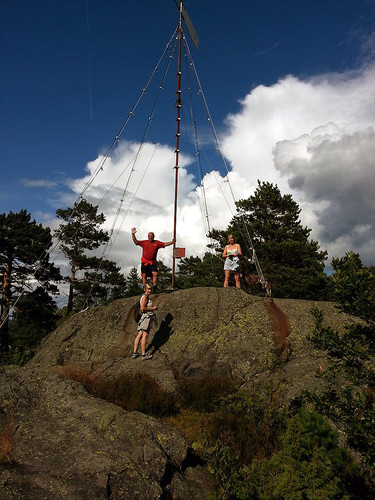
(72,69)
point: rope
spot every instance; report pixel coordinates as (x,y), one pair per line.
(129,116)
(134,162)
(202,199)
(99,168)
(245,234)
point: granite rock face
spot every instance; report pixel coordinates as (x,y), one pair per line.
(200,332)
(68,444)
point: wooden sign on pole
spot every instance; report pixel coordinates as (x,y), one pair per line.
(178,253)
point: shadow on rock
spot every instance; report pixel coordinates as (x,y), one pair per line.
(162,336)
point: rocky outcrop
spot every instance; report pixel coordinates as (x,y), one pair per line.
(200,331)
(68,444)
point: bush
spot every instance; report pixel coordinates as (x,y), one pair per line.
(248,425)
(257,451)
(203,394)
(310,465)
(242,429)
(136,392)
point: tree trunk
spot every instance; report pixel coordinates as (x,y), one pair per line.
(69,308)
(5,307)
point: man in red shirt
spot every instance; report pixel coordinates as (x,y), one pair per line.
(150,249)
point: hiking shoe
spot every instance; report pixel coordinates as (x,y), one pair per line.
(146,356)
(135,355)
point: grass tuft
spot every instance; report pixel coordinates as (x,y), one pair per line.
(135,392)
(77,373)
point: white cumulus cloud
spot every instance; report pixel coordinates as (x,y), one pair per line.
(313,138)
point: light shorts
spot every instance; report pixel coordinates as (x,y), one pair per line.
(232,264)
(145,322)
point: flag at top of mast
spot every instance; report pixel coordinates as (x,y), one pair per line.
(190,27)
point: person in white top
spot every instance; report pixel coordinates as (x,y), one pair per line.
(144,324)
(231,254)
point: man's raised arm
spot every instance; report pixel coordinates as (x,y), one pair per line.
(133,235)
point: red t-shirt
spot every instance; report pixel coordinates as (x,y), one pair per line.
(150,249)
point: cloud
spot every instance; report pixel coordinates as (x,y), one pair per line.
(313,138)
(335,173)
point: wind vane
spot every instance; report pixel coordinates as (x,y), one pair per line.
(190,27)
(188,23)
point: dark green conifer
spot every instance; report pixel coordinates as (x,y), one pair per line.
(23,257)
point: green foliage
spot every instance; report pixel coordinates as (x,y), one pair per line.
(257,452)
(133,283)
(95,281)
(354,287)
(164,276)
(255,447)
(81,231)
(258,449)
(349,378)
(202,394)
(241,428)
(348,399)
(309,465)
(248,425)
(194,271)
(350,351)
(35,316)
(271,216)
(100,285)
(289,259)
(24,256)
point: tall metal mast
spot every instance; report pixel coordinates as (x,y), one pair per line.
(177,151)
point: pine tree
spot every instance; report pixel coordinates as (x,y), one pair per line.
(194,271)
(164,276)
(354,287)
(133,283)
(291,261)
(80,233)
(23,257)
(100,284)
(34,316)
